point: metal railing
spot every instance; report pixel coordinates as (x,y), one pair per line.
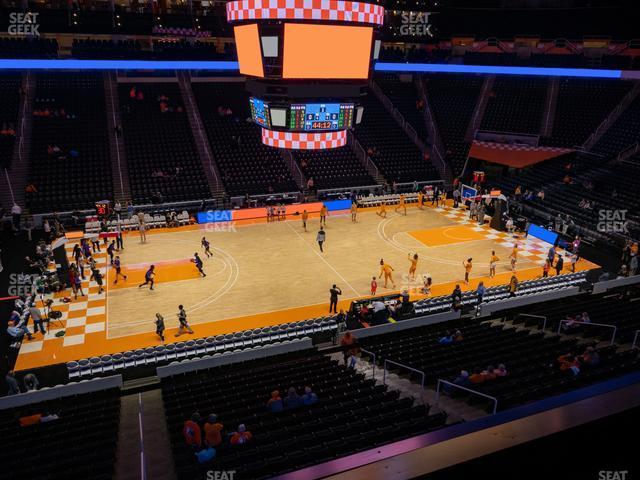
(635,339)
(384,376)
(373,362)
(475,392)
(615,329)
(611,118)
(544,318)
(628,152)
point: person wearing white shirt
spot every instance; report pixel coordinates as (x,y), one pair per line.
(16,213)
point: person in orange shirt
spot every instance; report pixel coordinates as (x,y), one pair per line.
(323,215)
(242,436)
(383,210)
(493,261)
(468,265)
(354,211)
(514,257)
(401,205)
(305,217)
(477,377)
(212,431)
(374,286)
(191,431)
(414,266)
(546,268)
(387,271)
(420,200)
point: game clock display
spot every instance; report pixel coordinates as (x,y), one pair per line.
(321,116)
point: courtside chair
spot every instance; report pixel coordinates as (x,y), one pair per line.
(74,369)
(180,350)
(139,357)
(170,351)
(85,366)
(161,353)
(107,363)
(118,361)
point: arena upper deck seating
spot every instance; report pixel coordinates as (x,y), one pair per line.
(515,105)
(246,165)
(397,158)
(529,357)
(581,106)
(453,99)
(607,309)
(81,443)
(351,415)
(404,96)
(29,47)
(160,142)
(10,100)
(66,181)
(334,168)
(623,133)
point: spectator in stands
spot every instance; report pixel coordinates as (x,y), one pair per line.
(490,373)
(480,291)
(16,215)
(569,363)
(457,336)
(191,431)
(501,371)
(559,264)
(546,268)
(540,195)
(633,265)
(624,271)
(242,436)
(292,400)
(275,404)
(309,397)
(477,377)
(513,286)
(31,382)
(446,339)
(456,298)
(348,342)
(213,431)
(462,379)
(590,357)
(12,384)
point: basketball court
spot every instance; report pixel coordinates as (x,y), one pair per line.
(270,273)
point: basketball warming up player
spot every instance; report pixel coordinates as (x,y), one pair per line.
(492,264)
(387,271)
(320,238)
(148,277)
(323,215)
(206,245)
(197,261)
(118,266)
(468,265)
(401,205)
(383,210)
(354,211)
(305,217)
(414,265)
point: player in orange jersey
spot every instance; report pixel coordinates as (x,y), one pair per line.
(387,271)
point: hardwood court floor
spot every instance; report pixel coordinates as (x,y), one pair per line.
(270,273)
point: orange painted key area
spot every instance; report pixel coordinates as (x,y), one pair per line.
(446,235)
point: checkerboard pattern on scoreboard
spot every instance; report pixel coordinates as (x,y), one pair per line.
(326,10)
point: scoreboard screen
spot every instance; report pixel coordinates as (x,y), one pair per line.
(321,116)
(260,112)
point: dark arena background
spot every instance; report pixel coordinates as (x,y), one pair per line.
(304,239)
